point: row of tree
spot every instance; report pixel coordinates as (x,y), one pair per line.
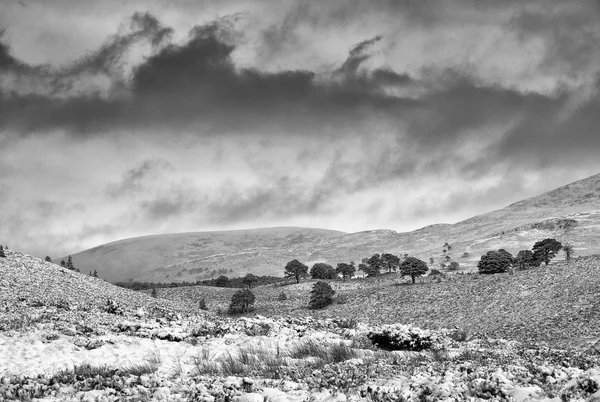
(542,252)
(372,266)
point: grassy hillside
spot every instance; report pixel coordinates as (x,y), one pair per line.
(137,257)
(570,214)
(558,304)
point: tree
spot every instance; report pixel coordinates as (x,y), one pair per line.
(454,266)
(95,274)
(525,259)
(321,295)
(494,262)
(413,267)
(222,281)
(2,255)
(322,271)
(296,269)
(346,270)
(242,301)
(545,250)
(154,292)
(363,267)
(202,304)
(70,263)
(374,265)
(569,251)
(250,280)
(63,263)
(48,259)
(390,261)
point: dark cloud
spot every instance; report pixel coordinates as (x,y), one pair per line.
(197,82)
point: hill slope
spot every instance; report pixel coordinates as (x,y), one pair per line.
(558,304)
(570,213)
(137,257)
(27,279)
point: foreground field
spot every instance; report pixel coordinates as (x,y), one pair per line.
(61,344)
(557,305)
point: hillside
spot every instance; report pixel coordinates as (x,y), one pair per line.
(570,213)
(27,281)
(557,305)
(137,257)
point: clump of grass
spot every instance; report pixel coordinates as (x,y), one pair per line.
(154,357)
(138,369)
(328,353)
(85,370)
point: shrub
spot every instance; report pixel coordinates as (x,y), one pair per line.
(112,307)
(282,296)
(2,252)
(242,301)
(321,295)
(401,337)
(454,266)
(202,304)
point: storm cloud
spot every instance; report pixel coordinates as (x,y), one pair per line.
(349,115)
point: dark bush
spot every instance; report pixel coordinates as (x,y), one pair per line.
(321,295)
(242,301)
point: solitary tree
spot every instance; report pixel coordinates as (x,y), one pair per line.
(413,267)
(454,266)
(494,262)
(525,259)
(70,263)
(321,295)
(569,251)
(95,274)
(202,304)
(545,250)
(346,270)
(154,292)
(48,259)
(322,271)
(241,301)
(296,269)
(250,281)
(2,255)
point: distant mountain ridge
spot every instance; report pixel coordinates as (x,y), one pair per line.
(203,255)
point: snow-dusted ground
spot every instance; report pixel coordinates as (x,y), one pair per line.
(68,337)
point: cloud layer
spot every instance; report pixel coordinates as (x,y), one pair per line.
(349,115)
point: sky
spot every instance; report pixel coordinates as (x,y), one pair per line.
(121,119)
